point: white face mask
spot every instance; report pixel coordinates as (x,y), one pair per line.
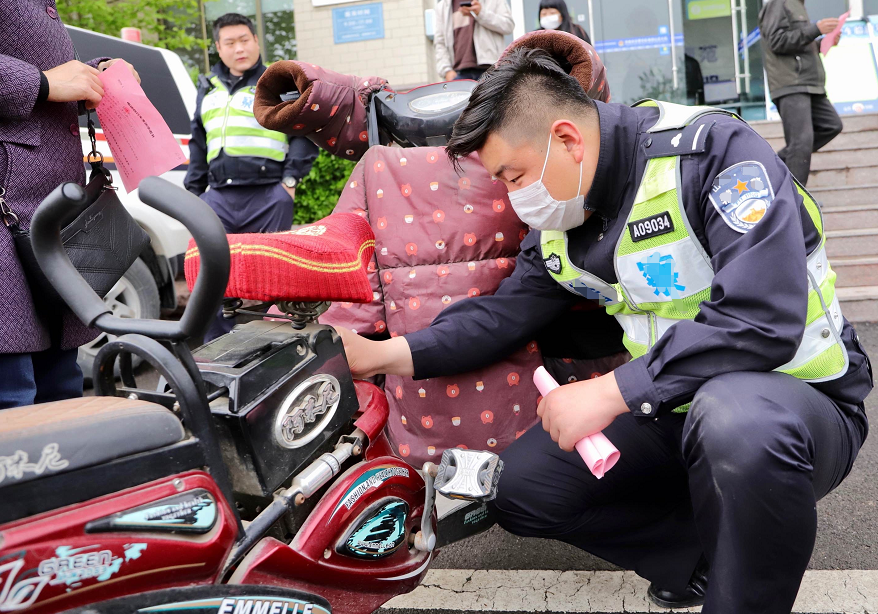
(550,22)
(536,207)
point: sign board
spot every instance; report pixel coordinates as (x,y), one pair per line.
(331,2)
(706,9)
(358,23)
(851,69)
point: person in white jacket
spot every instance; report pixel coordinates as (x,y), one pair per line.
(469,36)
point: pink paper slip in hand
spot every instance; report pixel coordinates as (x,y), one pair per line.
(596,450)
(828,41)
(140,140)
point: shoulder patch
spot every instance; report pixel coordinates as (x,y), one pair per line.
(690,140)
(742,195)
(553,263)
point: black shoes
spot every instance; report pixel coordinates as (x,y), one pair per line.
(692,596)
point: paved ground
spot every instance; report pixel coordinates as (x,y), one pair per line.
(847,536)
(449,591)
(511,574)
(498,572)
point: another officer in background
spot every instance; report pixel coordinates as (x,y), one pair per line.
(252,171)
(744,402)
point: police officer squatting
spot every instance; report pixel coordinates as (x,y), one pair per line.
(743,403)
(251,171)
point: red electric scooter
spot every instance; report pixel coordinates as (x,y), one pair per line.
(257,481)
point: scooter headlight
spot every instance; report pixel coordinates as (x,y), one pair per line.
(442,102)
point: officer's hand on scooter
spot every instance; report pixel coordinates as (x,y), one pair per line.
(367,358)
(581,409)
(74,81)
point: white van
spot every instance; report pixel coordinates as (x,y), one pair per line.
(148,286)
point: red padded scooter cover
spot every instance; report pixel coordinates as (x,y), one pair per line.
(331,110)
(441,237)
(324,261)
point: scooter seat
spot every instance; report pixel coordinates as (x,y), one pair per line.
(46,439)
(323,261)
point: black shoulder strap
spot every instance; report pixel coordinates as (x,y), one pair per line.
(675,142)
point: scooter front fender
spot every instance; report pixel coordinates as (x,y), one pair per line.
(354,548)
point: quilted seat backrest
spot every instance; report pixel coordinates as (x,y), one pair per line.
(441,237)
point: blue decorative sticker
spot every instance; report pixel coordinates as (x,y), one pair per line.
(380,533)
(661,275)
(742,195)
(194,511)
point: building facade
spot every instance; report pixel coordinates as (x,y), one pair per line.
(688,51)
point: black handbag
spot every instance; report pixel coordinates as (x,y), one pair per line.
(101,238)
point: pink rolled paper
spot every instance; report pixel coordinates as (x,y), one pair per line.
(596,450)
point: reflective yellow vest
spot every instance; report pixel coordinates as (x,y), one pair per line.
(645,310)
(230,125)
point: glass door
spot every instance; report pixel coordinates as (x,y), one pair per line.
(723,55)
(641,45)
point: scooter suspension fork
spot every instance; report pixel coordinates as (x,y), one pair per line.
(308,481)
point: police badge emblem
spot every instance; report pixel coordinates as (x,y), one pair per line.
(553,263)
(742,195)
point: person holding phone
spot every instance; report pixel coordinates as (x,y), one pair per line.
(469,36)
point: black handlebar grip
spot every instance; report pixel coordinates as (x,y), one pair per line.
(45,232)
(210,237)
(180,204)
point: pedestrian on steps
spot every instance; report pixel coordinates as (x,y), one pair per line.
(796,81)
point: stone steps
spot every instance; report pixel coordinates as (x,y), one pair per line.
(844,141)
(844,180)
(854,242)
(863,194)
(850,217)
(855,271)
(844,176)
(852,123)
(859,303)
(854,157)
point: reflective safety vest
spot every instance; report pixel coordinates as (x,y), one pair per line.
(664,278)
(230,125)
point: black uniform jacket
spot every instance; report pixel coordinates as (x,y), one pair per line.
(754,319)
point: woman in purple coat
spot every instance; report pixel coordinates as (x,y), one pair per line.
(40,148)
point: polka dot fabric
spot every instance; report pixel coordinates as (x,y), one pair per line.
(440,237)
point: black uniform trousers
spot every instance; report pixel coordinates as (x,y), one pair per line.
(809,122)
(737,479)
(243,209)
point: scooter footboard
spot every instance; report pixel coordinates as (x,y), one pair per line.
(461,519)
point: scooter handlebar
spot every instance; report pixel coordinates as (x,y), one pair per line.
(199,219)
(210,237)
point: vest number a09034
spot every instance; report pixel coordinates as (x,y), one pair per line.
(652,226)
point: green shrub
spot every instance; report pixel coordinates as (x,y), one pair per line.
(317,193)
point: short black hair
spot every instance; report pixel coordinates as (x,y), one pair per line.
(232,19)
(521,95)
